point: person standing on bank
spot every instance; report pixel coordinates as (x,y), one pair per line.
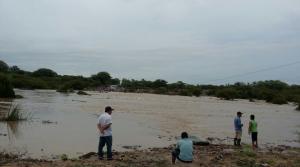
(104,127)
(252,130)
(238,129)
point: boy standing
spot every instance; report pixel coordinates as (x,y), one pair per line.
(253,131)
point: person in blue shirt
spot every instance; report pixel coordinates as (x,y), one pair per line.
(238,129)
(184,149)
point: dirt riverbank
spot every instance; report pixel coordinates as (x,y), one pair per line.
(206,156)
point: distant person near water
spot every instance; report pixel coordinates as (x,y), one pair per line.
(252,130)
(104,127)
(238,129)
(184,149)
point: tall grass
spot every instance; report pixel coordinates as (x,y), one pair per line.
(14,113)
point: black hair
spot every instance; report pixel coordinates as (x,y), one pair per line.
(184,135)
(108,109)
(252,117)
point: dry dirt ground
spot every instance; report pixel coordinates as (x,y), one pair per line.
(206,156)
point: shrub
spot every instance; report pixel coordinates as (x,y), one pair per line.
(64,157)
(6,89)
(185,92)
(227,93)
(27,82)
(279,99)
(197,92)
(161,90)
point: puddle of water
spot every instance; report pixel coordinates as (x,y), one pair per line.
(138,120)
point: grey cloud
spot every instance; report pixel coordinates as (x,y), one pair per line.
(194,41)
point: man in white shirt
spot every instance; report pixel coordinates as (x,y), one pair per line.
(104,127)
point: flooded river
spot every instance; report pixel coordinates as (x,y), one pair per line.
(66,123)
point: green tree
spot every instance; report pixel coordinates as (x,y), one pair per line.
(178,85)
(115,81)
(14,69)
(44,72)
(102,78)
(3,66)
(272,84)
(159,83)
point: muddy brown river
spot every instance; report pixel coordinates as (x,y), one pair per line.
(66,123)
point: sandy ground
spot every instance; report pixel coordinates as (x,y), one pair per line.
(207,156)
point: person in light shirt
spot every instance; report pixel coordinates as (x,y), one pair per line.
(184,149)
(104,127)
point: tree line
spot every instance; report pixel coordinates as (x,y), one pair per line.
(272,91)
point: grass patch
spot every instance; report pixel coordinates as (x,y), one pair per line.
(248,151)
(247,163)
(14,113)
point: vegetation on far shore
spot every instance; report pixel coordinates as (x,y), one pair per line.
(272,91)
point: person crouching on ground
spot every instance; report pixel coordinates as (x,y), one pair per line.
(252,130)
(184,149)
(104,127)
(238,129)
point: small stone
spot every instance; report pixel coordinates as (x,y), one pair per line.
(228,151)
(264,165)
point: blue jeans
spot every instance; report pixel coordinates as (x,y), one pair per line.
(102,141)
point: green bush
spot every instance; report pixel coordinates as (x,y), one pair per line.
(185,92)
(196,92)
(161,90)
(278,99)
(6,89)
(227,93)
(73,85)
(27,82)
(64,157)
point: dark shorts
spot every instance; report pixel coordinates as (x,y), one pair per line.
(176,153)
(254,136)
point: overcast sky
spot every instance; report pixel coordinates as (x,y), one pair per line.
(195,41)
